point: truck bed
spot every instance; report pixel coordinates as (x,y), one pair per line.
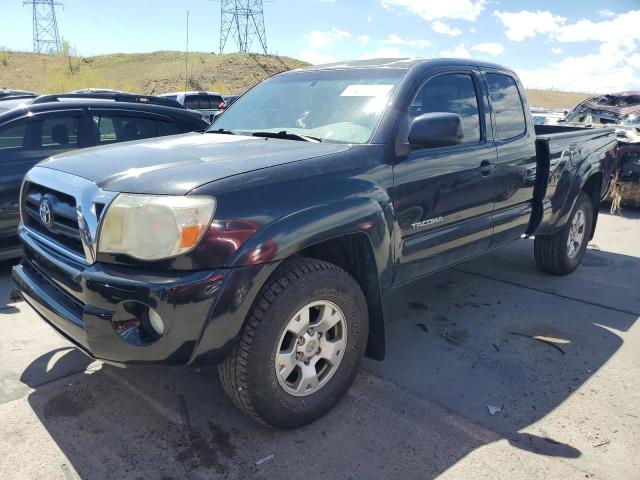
(565,154)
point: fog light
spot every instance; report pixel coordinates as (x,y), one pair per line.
(141,325)
(156,321)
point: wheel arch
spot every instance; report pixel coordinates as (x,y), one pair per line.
(593,187)
(355,234)
(354,253)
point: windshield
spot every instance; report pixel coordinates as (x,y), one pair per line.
(331,105)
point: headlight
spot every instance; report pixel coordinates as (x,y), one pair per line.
(151,227)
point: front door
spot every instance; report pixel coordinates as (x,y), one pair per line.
(444,197)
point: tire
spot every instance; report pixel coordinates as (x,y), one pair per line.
(553,253)
(250,374)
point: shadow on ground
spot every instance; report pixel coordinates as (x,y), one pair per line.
(461,339)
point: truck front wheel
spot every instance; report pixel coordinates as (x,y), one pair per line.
(301,345)
(562,252)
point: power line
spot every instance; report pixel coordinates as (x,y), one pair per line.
(46,38)
(243,20)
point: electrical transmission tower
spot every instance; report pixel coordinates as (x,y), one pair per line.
(46,38)
(244,21)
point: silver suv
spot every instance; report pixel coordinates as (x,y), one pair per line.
(208,103)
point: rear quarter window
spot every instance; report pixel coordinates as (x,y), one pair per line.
(507,106)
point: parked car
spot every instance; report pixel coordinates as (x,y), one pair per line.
(230,99)
(269,244)
(99,90)
(547,116)
(209,103)
(7,93)
(622,111)
(33,129)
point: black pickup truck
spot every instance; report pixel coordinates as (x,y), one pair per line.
(268,244)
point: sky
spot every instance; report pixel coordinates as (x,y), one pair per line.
(591,46)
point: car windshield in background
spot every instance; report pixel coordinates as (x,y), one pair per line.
(331,105)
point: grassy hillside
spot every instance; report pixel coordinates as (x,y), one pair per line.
(555,98)
(148,73)
(160,72)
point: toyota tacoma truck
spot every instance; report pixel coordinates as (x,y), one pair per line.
(268,245)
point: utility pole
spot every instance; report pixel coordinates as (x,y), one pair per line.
(243,20)
(46,38)
(186,58)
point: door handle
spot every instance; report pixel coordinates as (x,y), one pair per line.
(485,168)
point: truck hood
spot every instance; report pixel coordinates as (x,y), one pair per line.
(176,165)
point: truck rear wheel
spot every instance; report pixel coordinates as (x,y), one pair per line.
(301,345)
(562,252)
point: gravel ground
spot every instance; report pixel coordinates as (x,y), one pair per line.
(457,341)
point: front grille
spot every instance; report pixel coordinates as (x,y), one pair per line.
(64,228)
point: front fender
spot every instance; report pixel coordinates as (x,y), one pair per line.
(296,231)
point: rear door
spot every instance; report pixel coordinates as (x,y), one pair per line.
(515,144)
(444,196)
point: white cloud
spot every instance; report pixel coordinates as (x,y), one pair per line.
(445,29)
(364,39)
(315,57)
(326,39)
(432,10)
(394,39)
(556,50)
(369,19)
(472,30)
(621,29)
(525,24)
(597,72)
(458,52)
(606,13)
(490,48)
(614,66)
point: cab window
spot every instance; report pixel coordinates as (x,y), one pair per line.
(12,137)
(450,93)
(192,102)
(507,106)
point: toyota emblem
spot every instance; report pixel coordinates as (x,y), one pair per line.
(46,213)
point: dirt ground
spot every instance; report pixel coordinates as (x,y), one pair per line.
(458,341)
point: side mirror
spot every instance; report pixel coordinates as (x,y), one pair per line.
(437,129)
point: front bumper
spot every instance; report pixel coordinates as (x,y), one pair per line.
(202,311)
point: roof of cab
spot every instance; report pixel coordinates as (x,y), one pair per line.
(403,63)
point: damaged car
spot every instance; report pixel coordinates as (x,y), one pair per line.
(622,111)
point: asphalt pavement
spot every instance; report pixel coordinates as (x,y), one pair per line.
(556,359)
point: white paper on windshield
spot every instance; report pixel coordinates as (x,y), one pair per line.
(366,90)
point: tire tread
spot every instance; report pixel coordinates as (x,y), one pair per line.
(233,370)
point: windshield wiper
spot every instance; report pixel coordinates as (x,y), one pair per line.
(287,136)
(222,131)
